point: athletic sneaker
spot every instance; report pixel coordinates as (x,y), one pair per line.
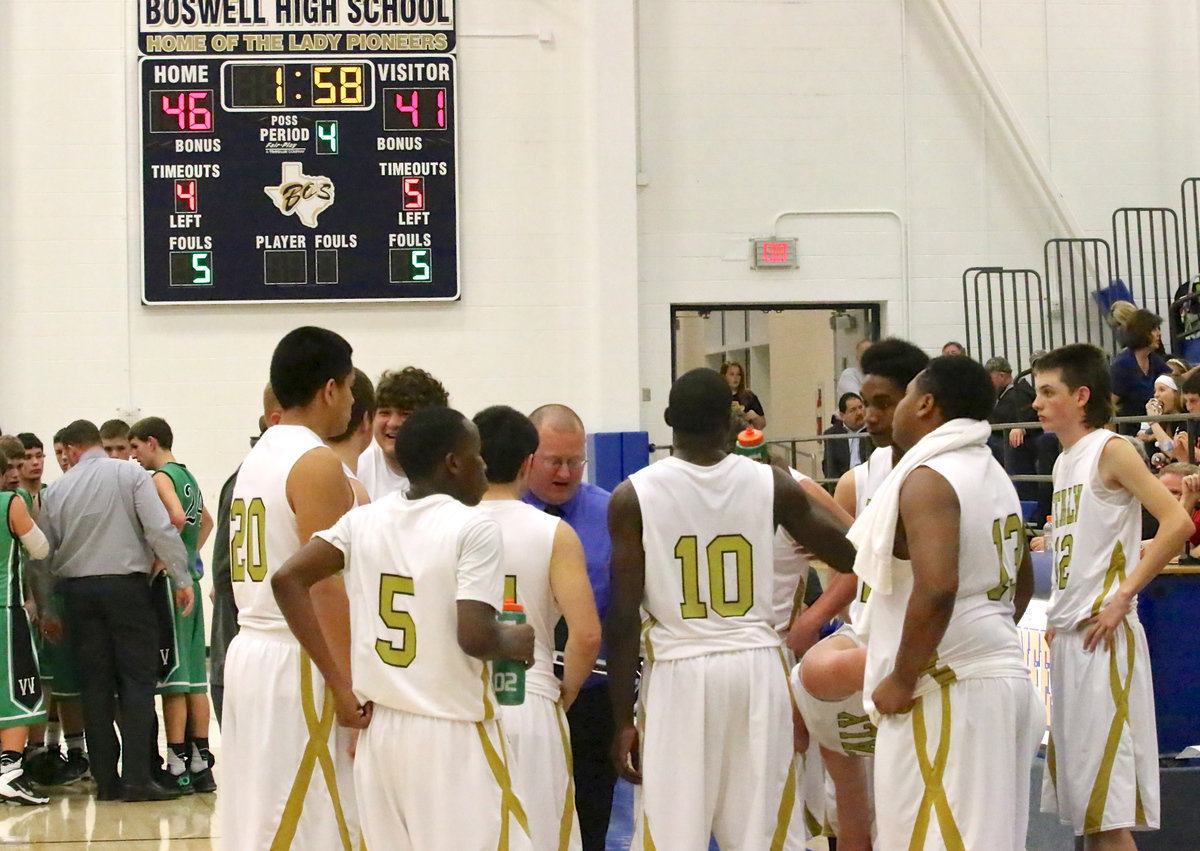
(73,768)
(181,782)
(44,767)
(203,781)
(15,789)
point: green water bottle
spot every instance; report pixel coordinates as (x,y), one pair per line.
(508,675)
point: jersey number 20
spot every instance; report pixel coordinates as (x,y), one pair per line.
(248,543)
(687,551)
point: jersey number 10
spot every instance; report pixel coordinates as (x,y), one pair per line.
(687,551)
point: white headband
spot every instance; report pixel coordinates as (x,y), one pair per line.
(1167,380)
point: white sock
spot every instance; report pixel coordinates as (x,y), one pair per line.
(198,762)
(174,763)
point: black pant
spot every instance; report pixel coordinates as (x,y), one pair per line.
(590,717)
(113,632)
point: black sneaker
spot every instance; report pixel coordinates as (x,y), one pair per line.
(73,768)
(45,767)
(202,781)
(181,783)
(16,789)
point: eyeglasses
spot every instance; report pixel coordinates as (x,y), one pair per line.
(554,462)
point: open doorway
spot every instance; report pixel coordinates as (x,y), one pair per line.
(791,355)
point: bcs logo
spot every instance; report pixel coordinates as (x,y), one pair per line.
(305,196)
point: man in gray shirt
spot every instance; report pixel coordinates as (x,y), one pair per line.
(107,525)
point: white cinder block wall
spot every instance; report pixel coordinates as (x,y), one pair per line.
(606,173)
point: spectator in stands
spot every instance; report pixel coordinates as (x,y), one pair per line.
(1135,367)
(752,409)
(1166,400)
(1118,315)
(1016,448)
(953,348)
(851,379)
(1179,367)
(841,455)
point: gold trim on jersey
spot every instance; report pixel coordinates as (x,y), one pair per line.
(787,803)
(489,711)
(647,839)
(316,751)
(510,804)
(567,822)
(1115,574)
(934,800)
(648,624)
(1093,820)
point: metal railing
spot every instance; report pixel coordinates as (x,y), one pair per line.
(1010,311)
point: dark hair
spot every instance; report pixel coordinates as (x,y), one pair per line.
(725,367)
(427,437)
(897,360)
(364,405)
(1191,384)
(114,430)
(955,343)
(844,400)
(1140,327)
(508,437)
(58,436)
(30,440)
(960,387)
(155,427)
(305,360)
(699,403)
(410,389)
(81,433)
(1083,365)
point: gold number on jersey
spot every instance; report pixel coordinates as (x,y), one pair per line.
(390,587)
(248,543)
(687,551)
(1062,567)
(1001,534)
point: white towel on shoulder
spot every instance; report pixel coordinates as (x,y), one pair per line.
(874,532)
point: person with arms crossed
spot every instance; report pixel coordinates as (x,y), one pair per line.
(287,782)
(423,574)
(184,683)
(398,395)
(107,527)
(693,539)
(1102,760)
(545,572)
(943,550)
(556,486)
(827,685)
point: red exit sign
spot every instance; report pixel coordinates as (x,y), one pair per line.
(774,253)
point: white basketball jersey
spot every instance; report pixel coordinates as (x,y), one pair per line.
(791,573)
(528,536)
(1097,534)
(709,538)
(408,563)
(868,476)
(981,639)
(262,524)
(351,477)
(375,474)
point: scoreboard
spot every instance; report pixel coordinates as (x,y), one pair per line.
(291,177)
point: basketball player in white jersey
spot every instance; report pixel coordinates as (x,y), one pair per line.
(943,548)
(1102,761)
(692,544)
(827,685)
(287,781)
(398,395)
(545,572)
(424,576)
(351,443)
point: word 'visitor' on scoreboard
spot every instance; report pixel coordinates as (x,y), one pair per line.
(298,151)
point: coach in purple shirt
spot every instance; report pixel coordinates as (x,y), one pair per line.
(556,486)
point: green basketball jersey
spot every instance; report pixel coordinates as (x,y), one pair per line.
(28,497)
(189,497)
(11,592)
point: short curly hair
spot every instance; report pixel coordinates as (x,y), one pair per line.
(410,389)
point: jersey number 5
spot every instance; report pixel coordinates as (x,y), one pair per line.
(687,551)
(248,543)
(391,586)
